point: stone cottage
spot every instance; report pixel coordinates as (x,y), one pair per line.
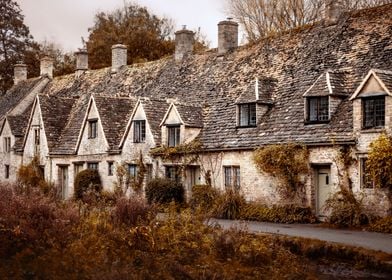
(325,86)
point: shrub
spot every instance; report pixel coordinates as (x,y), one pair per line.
(346,211)
(162,190)
(87,180)
(229,205)
(382,225)
(132,211)
(31,176)
(203,196)
(379,161)
(277,214)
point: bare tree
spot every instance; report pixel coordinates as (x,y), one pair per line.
(259,18)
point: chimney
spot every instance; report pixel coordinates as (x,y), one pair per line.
(47,66)
(332,10)
(20,73)
(184,43)
(119,57)
(227,36)
(81,61)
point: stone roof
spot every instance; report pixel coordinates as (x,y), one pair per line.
(114,113)
(294,61)
(330,83)
(16,94)
(55,113)
(192,116)
(386,78)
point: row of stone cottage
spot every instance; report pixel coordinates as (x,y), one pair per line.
(317,86)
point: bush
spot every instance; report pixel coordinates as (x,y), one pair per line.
(277,214)
(229,205)
(346,211)
(203,197)
(132,211)
(31,176)
(383,225)
(86,181)
(162,190)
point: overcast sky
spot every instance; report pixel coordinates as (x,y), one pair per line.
(66,21)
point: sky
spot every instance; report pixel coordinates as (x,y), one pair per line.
(66,21)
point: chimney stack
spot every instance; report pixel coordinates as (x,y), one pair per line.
(47,66)
(81,61)
(184,43)
(119,57)
(227,36)
(20,73)
(332,10)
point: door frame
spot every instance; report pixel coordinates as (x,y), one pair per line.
(315,184)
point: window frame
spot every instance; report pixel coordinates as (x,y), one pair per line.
(318,109)
(76,165)
(93,163)
(367,182)
(92,128)
(110,168)
(135,170)
(177,135)
(364,102)
(6,171)
(251,115)
(232,177)
(7,144)
(177,176)
(139,131)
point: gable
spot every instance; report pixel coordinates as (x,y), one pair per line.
(5,128)
(376,82)
(172,117)
(99,144)
(371,87)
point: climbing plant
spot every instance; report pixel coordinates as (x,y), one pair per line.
(379,162)
(286,162)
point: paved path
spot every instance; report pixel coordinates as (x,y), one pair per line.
(369,240)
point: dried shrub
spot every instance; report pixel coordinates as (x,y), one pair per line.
(229,204)
(31,176)
(163,191)
(278,213)
(203,197)
(379,161)
(132,211)
(285,162)
(383,225)
(87,183)
(346,210)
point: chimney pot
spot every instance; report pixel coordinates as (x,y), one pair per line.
(227,36)
(184,43)
(119,57)
(20,73)
(47,66)
(332,10)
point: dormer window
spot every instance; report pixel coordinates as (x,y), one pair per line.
(318,109)
(173,136)
(139,131)
(247,115)
(92,128)
(373,112)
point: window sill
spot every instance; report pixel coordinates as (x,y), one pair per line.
(373,130)
(315,122)
(246,126)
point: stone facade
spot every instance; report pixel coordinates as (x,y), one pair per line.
(108,118)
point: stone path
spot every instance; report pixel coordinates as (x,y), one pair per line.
(370,240)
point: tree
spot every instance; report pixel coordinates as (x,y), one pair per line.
(260,18)
(146,35)
(15,40)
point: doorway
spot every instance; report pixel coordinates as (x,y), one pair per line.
(63,181)
(323,190)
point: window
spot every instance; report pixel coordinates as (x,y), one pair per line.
(366,179)
(92,129)
(36,137)
(7,171)
(173,173)
(92,165)
(232,177)
(373,112)
(149,172)
(247,114)
(7,144)
(139,131)
(173,138)
(133,170)
(110,168)
(318,109)
(77,168)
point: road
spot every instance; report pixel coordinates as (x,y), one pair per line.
(370,240)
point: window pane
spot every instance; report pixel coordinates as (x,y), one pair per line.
(136,132)
(379,108)
(374,112)
(228,176)
(173,136)
(237,178)
(312,109)
(323,109)
(252,114)
(133,170)
(142,131)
